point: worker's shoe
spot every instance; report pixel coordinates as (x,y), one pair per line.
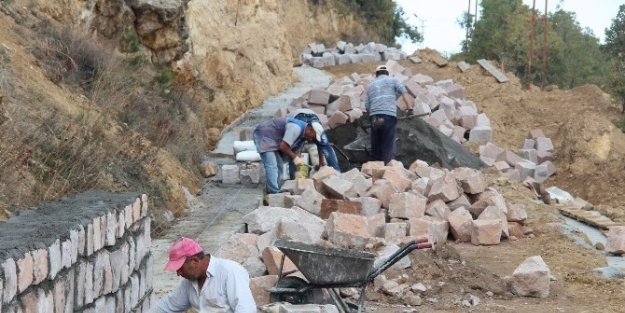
(266,200)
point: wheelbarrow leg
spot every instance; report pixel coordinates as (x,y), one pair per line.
(361,301)
(340,304)
(281,267)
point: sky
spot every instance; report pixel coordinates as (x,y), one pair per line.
(437,19)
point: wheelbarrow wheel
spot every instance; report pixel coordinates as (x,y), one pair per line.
(305,297)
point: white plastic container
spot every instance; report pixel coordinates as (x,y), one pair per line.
(239,146)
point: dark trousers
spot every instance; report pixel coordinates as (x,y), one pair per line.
(383,133)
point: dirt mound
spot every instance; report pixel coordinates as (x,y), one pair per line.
(589,156)
(589,150)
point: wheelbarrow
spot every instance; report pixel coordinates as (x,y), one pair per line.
(331,268)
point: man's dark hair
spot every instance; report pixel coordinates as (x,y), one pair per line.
(378,73)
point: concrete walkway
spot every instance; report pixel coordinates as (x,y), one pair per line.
(215,214)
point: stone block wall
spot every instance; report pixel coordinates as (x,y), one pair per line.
(88,253)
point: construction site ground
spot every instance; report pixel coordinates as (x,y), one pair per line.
(589,153)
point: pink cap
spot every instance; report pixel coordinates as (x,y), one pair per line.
(180,251)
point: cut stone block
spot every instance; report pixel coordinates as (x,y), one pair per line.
(347,230)
(272,257)
(338,118)
(230,174)
(471,180)
(406,205)
(531,278)
(260,286)
(361,184)
(444,188)
(486,232)
(535,134)
(310,200)
(342,206)
(481,134)
(339,188)
(394,232)
(319,97)
(429,227)
(544,144)
(461,224)
(616,240)
(529,154)
(455,91)
(525,168)
(382,190)
(250,173)
(528,144)
(438,209)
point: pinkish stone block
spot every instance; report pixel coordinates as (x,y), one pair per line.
(461,224)
(471,180)
(320,97)
(445,189)
(382,189)
(368,167)
(535,133)
(347,230)
(399,182)
(406,205)
(354,114)
(338,118)
(272,257)
(260,286)
(486,232)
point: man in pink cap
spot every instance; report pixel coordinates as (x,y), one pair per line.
(211,285)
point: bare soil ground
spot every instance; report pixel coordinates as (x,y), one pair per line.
(589,155)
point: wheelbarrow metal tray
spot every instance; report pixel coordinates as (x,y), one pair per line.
(328,266)
(357,150)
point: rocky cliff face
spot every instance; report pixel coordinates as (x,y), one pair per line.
(228,55)
(241,50)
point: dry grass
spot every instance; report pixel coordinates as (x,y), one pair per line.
(128,111)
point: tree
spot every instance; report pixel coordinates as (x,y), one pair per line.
(385,18)
(502,34)
(615,48)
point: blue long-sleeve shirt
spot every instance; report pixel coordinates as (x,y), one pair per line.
(382,94)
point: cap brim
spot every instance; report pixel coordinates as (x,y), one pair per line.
(318,137)
(174,265)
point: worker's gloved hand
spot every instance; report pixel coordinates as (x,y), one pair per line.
(299,175)
(409,113)
(317,167)
(298,161)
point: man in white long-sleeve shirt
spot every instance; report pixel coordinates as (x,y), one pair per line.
(211,285)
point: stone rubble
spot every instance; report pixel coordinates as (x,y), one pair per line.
(445,109)
(319,56)
(533,161)
(401,204)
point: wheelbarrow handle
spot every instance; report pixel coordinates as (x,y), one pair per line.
(420,243)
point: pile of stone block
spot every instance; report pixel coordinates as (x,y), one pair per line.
(443,101)
(318,56)
(376,209)
(533,161)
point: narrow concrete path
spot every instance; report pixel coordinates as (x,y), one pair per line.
(215,214)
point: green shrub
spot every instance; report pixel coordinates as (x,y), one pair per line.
(621,123)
